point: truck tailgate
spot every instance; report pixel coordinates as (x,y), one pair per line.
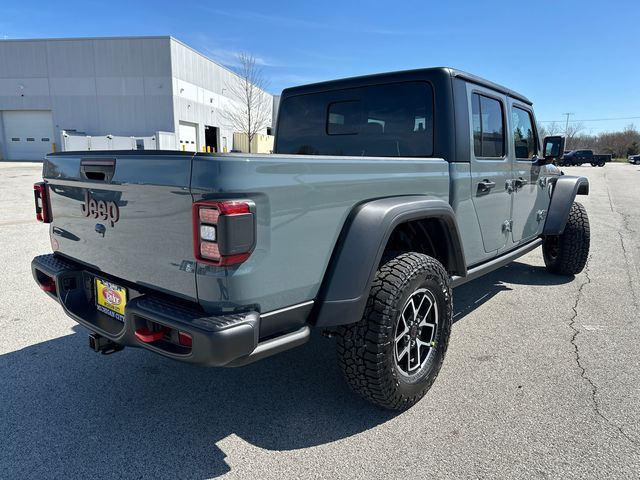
(127,214)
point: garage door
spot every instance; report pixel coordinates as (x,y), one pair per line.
(188,137)
(28,135)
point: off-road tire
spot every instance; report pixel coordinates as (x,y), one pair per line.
(567,254)
(367,349)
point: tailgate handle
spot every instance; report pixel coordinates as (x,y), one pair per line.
(97,170)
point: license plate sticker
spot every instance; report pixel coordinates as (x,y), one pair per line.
(111,299)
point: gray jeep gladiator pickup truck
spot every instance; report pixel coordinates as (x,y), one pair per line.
(384,193)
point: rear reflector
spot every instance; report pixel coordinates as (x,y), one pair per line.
(147,336)
(223,231)
(49,285)
(184,339)
(41,197)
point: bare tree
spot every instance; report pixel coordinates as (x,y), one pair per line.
(619,144)
(553,128)
(252,112)
(542,130)
(571,132)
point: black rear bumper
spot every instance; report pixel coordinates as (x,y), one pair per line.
(216,340)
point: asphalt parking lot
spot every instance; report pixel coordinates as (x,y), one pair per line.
(542,379)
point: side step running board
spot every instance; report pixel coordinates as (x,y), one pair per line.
(494,264)
(273,346)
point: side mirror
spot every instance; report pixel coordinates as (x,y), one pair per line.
(553,147)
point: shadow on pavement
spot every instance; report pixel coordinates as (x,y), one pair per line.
(472,295)
(67,412)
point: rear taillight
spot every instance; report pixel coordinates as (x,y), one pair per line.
(43,212)
(223,231)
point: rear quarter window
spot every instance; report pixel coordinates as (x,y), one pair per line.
(390,120)
(488,126)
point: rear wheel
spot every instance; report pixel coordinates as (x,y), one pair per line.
(567,253)
(394,353)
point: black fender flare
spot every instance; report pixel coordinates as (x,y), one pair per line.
(359,249)
(564,193)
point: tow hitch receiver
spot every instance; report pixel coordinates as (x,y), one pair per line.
(103,345)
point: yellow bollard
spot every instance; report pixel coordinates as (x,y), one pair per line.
(53,147)
(208,149)
(184,149)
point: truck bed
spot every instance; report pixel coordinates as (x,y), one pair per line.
(301,201)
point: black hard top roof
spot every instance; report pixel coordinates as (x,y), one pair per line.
(402,75)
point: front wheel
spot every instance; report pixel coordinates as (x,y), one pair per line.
(567,253)
(392,356)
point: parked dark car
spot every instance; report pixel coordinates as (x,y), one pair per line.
(578,157)
(634,159)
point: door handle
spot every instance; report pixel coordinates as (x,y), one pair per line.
(97,170)
(520,182)
(485,185)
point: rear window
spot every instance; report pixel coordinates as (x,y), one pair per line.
(392,120)
(488,126)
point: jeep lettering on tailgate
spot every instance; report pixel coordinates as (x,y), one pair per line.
(101,209)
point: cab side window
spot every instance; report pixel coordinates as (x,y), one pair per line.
(524,136)
(488,126)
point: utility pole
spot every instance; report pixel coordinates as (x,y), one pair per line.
(566,125)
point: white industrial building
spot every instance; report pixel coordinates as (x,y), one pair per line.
(154,92)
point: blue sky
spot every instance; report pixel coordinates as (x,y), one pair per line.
(567,56)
